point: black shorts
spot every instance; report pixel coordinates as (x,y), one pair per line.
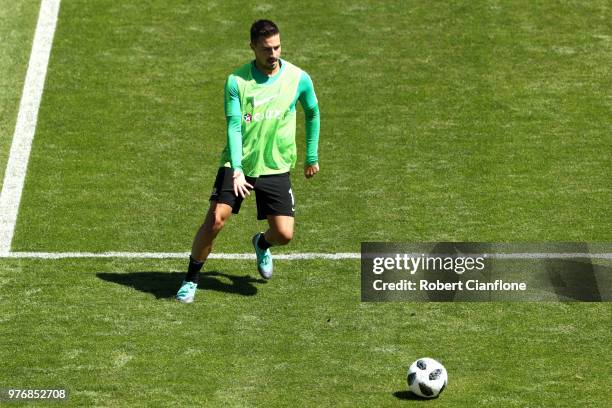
(273,193)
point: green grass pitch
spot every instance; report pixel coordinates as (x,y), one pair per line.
(441,121)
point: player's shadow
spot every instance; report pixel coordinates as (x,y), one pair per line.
(409,396)
(165,284)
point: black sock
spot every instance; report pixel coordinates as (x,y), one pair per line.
(262,243)
(193,273)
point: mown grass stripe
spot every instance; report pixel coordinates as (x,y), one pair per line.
(25,127)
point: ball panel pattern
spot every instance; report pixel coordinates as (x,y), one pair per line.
(411,378)
(428,392)
(435,374)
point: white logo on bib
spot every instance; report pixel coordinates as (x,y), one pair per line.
(258,102)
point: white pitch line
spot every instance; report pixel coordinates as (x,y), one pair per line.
(287,256)
(25,127)
(551,256)
(501,255)
(175,255)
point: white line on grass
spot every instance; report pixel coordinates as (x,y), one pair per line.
(287,256)
(171,255)
(17,164)
(551,256)
(509,255)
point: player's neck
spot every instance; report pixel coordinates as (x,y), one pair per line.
(266,71)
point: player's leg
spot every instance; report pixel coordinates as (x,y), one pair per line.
(280,231)
(217,216)
(276,204)
(223,203)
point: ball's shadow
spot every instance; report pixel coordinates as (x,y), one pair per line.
(165,284)
(409,396)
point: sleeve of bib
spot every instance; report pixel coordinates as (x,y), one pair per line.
(308,99)
(233,117)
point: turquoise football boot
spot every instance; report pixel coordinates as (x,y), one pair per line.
(187,292)
(264,258)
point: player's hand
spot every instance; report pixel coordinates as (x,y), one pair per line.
(310,170)
(241,187)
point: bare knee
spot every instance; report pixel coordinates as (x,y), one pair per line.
(218,222)
(216,218)
(283,236)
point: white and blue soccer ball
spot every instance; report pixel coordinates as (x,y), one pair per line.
(427,378)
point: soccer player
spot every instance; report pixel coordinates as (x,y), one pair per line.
(260,110)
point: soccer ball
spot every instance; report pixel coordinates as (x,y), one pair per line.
(427,378)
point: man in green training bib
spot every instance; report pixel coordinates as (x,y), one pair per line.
(260,102)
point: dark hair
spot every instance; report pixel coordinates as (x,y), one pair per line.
(263,29)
